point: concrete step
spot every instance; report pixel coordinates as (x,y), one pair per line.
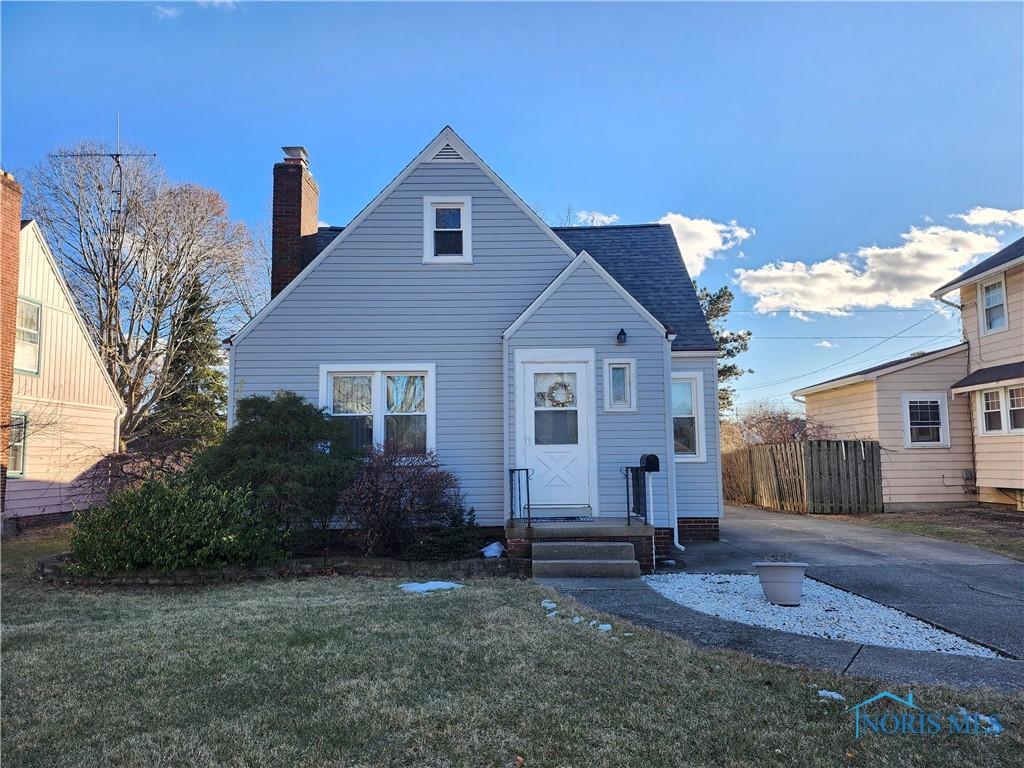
(583,550)
(605,569)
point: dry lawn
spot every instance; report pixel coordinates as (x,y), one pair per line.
(1001,532)
(352,672)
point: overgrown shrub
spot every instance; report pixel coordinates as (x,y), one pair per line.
(396,494)
(457,537)
(167,525)
(291,454)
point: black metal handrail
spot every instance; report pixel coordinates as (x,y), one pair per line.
(636,493)
(519,494)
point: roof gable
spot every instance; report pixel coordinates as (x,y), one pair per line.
(439,150)
(882,369)
(645,260)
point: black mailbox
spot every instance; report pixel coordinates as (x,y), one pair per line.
(649,463)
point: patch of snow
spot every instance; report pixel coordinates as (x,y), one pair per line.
(990,725)
(627,634)
(428,586)
(825,612)
(669,562)
(548,604)
(493,549)
(831,695)
(604,627)
(577,619)
(553,614)
(593,622)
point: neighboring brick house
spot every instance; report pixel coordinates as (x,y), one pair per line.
(61,412)
(950,421)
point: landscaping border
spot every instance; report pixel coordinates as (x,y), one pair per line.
(59,569)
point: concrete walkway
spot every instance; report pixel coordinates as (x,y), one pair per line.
(974,593)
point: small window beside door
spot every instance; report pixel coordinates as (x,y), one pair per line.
(447,230)
(620,385)
(555,409)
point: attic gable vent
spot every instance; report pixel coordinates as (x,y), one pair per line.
(447,153)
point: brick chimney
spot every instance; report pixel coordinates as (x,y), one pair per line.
(10,252)
(295,216)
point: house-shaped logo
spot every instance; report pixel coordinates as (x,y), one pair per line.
(859,710)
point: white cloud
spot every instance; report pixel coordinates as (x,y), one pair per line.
(703,239)
(166,12)
(827,345)
(595,218)
(800,316)
(897,276)
(980,216)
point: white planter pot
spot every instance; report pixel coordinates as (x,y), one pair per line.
(783,583)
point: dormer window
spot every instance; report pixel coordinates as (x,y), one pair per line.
(447,231)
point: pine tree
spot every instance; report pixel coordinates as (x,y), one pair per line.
(195,413)
(716,306)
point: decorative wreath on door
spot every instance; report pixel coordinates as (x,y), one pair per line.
(559,394)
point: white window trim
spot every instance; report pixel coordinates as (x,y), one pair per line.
(942,400)
(696,378)
(1004,411)
(465,202)
(379,396)
(980,301)
(608,404)
(39,332)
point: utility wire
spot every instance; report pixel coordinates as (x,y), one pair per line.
(845,359)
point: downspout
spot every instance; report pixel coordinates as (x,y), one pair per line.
(670,459)
(970,395)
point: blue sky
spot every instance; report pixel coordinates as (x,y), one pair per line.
(781,136)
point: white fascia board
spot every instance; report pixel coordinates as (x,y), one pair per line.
(976,278)
(446,136)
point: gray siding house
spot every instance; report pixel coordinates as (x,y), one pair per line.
(448,317)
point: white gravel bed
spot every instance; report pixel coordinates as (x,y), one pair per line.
(824,612)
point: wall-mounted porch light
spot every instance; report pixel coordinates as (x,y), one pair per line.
(620,337)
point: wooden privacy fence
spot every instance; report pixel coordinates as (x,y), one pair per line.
(817,476)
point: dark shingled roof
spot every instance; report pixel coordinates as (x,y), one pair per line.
(645,260)
(1013,251)
(883,366)
(992,374)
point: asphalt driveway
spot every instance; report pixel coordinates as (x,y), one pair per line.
(970,591)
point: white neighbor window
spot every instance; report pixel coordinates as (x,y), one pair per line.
(688,416)
(925,420)
(447,230)
(26,337)
(992,305)
(383,404)
(1001,410)
(620,385)
(18,443)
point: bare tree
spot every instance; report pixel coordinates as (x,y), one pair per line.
(132,244)
(771,422)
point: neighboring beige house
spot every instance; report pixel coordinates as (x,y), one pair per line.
(992,310)
(65,413)
(950,422)
(906,405)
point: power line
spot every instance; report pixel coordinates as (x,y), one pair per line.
(758,337)
(845,359)
(845,311)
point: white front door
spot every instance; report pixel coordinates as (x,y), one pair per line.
(555,402)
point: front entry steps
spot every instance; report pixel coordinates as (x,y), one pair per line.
(585,559)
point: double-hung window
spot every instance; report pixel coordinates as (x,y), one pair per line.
(992,305)
(992,410)
(620,385)
(925,420)
(27,336)
(17,444)
(447,230)
(389,407)
(1001,410)
(687,416)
